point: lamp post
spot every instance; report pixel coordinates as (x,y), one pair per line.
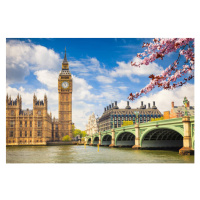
(185,102)
(137,133)
(137,119)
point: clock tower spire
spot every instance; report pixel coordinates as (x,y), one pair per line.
(65,100)
(65,64)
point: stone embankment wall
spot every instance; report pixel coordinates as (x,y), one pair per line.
(64,143)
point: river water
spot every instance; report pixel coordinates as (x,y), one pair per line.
(90,154)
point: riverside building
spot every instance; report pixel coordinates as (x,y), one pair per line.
(113,116)
(179,111)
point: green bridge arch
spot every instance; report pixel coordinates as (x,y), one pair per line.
(106,134)
(117,134)
(177,129)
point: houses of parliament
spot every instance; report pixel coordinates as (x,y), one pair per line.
(36,126)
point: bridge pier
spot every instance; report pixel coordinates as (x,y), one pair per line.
(137,137)
(187,140)
(113,138)
(99,138)
(91,143)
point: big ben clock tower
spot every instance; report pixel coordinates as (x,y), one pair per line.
(65,100)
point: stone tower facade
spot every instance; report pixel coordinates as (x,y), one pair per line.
(27,127)
(65,100)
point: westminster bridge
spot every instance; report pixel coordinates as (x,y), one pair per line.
(170,133)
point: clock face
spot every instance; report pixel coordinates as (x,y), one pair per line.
(65,84)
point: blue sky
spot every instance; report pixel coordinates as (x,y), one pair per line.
(101,74)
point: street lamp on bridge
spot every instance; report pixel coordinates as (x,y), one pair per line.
(185,102)
(137,119)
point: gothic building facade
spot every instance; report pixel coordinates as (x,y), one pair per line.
(91,127)
(36,126)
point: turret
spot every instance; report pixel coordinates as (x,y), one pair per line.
(149,105)
(34,99)
(7,99)
(45,101)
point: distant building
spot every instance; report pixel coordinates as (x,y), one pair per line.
(91,127)
(178,111)
(114,116)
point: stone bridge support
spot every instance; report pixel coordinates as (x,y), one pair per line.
(99,138)
(137,137)
(91,143)
(113,138)
(187,140)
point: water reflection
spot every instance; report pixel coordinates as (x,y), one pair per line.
(79,154)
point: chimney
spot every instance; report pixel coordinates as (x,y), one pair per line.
(144,106)
(172,104)
(115,103)
(105,109)
(149,105)
(154,106)
(127,107)
(141,103)
(109,106)
(112,105)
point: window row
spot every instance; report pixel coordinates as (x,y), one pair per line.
(12,124)
(130,119)
(26,134)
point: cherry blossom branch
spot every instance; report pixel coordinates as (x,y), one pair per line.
(158,50)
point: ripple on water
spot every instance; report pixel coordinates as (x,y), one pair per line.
(80,154)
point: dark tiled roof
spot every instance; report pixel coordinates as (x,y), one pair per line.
(148,111)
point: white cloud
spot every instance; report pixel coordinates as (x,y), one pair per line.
(105,79)
(81,90)
(124,88)
(125,69)
(164,98)
(21,57)
(86,67)
(49,78)
(80,113)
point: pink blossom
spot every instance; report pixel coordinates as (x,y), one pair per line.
(157,50)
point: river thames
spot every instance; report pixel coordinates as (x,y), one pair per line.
(89,154)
